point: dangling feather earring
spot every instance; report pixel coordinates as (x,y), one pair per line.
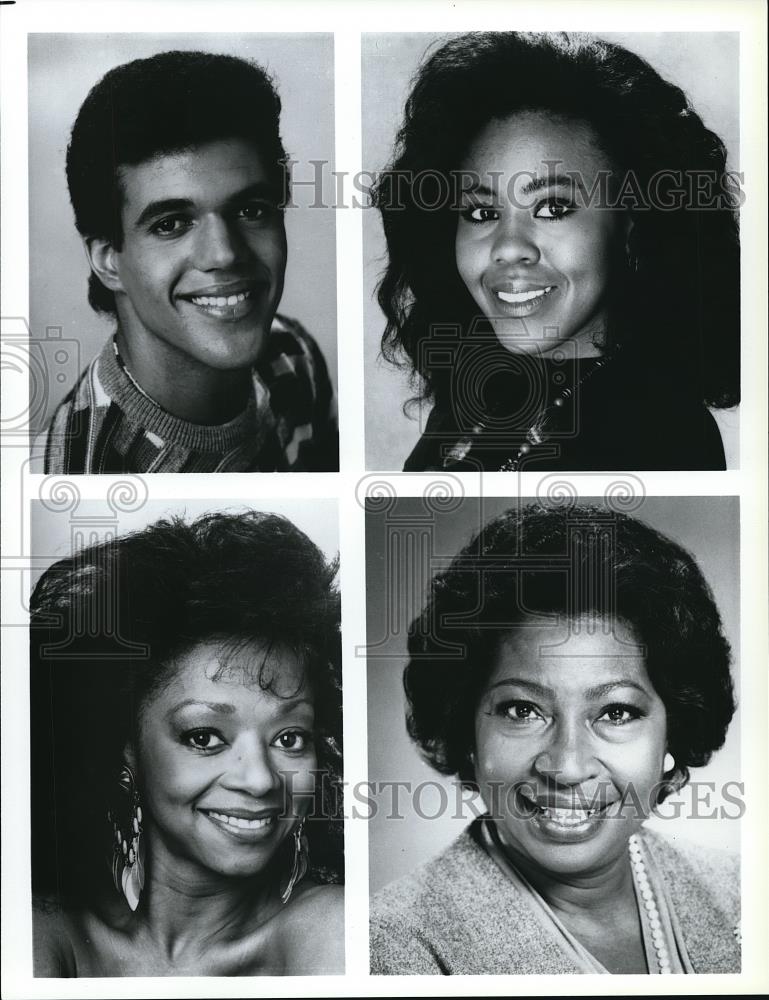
(127,842)
(301,861)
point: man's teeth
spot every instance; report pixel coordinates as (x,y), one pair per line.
(220,301)
(518,297)
(243,824)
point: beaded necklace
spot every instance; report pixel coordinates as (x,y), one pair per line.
(538,432)
(540,429)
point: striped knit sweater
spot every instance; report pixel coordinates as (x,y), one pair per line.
(105,424)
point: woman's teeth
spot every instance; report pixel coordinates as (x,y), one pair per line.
(517,297)
(568,817)
(220,301)
(242,824)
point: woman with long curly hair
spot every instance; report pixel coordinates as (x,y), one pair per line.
(186,754)
(563,260)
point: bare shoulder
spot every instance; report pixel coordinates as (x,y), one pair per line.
(326,898)
(52,953)
(316,925)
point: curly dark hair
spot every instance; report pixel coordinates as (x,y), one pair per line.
(681,302)
(157,106)
(107,625)
(572,562)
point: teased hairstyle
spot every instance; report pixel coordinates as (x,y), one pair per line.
(585,560)
(682,302)
(158,106)
(106,626)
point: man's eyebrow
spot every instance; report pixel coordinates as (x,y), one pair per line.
(161,207)
(154,209)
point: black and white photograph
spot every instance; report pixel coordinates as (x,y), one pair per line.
(548,683)
(184,303)
(453,680)
(552,278)
(186,732)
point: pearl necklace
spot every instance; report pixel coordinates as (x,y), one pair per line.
(646,893)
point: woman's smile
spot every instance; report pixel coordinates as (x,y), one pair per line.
(223,761)
(241,827)
(519,299)
(565,823)
(529,246)
(570,737)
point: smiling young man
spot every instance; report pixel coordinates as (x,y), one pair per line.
(177,178)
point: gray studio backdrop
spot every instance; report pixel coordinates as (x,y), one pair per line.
(67,522)
(704,64)
(62,69)
(402,538)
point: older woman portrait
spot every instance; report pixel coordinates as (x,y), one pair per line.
(570,667)
(186,753)
(561,278)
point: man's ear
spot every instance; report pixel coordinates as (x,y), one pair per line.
(103,259)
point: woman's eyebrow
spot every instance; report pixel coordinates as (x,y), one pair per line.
(477,188)
(532,686)
(288,705)
(548,181)
(601,690)
(222,707)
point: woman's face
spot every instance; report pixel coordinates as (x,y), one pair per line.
(570,738)
(536,245)
(222,762)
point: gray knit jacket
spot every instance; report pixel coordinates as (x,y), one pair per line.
(458,915)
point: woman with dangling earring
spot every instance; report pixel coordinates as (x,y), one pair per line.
(562,281)
(186,754)
(593,672)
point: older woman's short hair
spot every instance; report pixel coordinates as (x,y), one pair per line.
(108,624)
(680,299)
(571,562)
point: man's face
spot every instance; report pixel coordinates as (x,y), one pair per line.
(200,271)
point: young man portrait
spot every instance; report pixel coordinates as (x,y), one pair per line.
(179,182)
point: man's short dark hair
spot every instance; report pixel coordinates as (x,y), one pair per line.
(165,104)
(572,562)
